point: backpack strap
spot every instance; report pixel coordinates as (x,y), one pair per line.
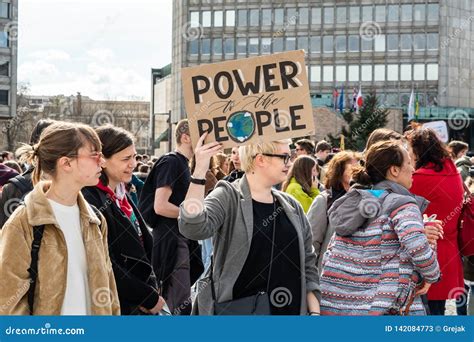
(33,270)
(21,183)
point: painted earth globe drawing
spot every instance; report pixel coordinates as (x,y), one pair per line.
(241,126)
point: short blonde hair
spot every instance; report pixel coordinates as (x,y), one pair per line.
(247,153)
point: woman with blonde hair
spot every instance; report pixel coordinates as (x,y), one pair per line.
(54,258)
(263,257)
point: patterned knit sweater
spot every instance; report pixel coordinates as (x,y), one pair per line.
(379,253)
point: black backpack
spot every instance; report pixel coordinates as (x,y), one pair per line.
(35,247)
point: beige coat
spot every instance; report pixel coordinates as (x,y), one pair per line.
(15,259)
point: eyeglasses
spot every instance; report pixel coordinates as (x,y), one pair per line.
(96,156)
(285,157)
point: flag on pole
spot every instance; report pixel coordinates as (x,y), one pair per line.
(342,145)
(359,101)
(341,100)
(354,99)
(335,95)
(411,106)
(417,106)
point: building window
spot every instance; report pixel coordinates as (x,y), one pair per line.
(230,18)
(206,18)
(315,44)
(366,72)
(392,13)
(193,47)
(290,43)
(379,43)
(354,14)
(242,18)
(328,73)
(405,72)
(303,43)
(253,45)
(419,13)
(194,18)
(291,16)
(419,42)
(341,15)
(406,11)
(433,12)
(392,42)
(354,43)
(405,99)
(379,73)
(328,44)
(341,44)
(353,73)
(316,16)
(229,46)
(217,46)
(405,44)
(4,97)
(278,44)
(367,14)
(242,46)
(254,17)
(266,45)
(419,72)
(266,17)
(315,73)
(367,45)
(340,73)
(432,41)
(432,72)
(392,72)
(279,16)
(218,19)
(329,15)
(380,14)
(303,15)
(205,46)
(5,10)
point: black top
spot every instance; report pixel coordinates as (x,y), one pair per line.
(171,170)
(285,282)
(130,249)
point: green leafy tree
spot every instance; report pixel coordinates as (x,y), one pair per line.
(359,126)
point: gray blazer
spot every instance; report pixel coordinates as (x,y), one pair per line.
(228,219)
(318,220)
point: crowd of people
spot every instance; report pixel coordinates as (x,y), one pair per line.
(89,227)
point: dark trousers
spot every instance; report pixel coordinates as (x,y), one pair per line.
(437,307)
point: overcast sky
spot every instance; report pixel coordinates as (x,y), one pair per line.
(101,48)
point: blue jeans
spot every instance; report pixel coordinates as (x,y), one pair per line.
(206,252)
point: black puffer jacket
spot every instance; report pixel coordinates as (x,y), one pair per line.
(136,281)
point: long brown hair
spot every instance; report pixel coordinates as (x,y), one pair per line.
(336,168)
(302,170)
(60,139)
(378,160)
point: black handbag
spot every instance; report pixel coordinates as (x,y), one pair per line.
(258,304)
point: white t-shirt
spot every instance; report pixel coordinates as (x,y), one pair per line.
(77,300)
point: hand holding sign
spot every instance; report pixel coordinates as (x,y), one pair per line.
(202,154)
(255,99)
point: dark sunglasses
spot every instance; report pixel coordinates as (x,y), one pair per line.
(285,157)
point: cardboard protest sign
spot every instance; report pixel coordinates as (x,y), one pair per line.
(249,100)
